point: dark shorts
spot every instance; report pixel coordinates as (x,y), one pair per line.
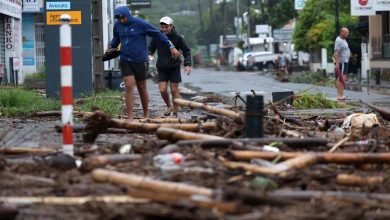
(344,68)
(138,70)
(171,74)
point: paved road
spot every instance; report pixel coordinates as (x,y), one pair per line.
(227,83)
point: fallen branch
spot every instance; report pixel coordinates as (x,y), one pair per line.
(12,180)
(58,113)
(164,120)
(197,105)
(338,144)
(99,122)
(26,150)
(280,168)
(304,195)
(385,113)
(225,207)
(354,180)
(176,135)
(151,127)
(322,157)
(51,200)
(290,142)
(142,182)
(94,162)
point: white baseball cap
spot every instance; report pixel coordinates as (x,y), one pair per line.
(166,20)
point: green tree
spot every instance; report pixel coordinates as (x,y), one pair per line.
(315,27)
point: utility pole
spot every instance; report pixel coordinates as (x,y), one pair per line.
(249,24)
(237,21)
(337,22)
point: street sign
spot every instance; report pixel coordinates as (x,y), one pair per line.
(362,8)
(137,4)
(53,17)
(283,35)
(381,5)
(263,29)
(16,63)
(58,6)
(32,5)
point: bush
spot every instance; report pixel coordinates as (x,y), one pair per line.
(315,78)
(315,101)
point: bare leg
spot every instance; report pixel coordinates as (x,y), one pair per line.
(129,95)
(164,92)
(143,93)
(175,95)
(340,90)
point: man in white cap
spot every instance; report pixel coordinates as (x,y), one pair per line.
(168,67)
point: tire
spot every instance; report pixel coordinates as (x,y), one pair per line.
(270,65)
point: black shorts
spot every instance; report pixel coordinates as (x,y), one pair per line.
(169,74)
(344,68)
(138,70)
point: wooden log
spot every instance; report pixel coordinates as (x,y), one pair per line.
(290,142)
(94,162)
(51,200)
(225,207)
(164,120)
(355,180)
(175,135)
(99,122)
(26,150)
(142,182)
(385,113)
(280,168)
(197,105)
(341,158)
(152,127)
(13,180)
(285,197)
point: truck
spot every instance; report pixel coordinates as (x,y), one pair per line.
(257,61)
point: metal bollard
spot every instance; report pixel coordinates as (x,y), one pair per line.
(254,116)
(66,84)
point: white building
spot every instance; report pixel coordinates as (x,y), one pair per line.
(10,38)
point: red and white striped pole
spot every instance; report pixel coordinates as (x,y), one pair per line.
(66,84)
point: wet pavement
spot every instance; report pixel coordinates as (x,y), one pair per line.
(227,83)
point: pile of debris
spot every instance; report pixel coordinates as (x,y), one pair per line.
(305,167)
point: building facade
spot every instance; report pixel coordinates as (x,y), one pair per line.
(33,56)
(10,38)
(379,43)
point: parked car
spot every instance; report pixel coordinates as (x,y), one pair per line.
(257,61)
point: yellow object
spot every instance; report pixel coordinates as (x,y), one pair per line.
(53,17)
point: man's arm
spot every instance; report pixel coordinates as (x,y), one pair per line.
(186,52)
(152,47)
(115,41)
(336,55)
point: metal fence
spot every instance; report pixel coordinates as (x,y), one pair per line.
(40,44)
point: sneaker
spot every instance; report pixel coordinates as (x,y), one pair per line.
(168,111)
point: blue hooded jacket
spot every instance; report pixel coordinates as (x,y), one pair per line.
(132,37)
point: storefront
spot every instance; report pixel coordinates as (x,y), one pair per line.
(10,38)
(33,36)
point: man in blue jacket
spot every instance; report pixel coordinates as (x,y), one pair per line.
(131,33)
